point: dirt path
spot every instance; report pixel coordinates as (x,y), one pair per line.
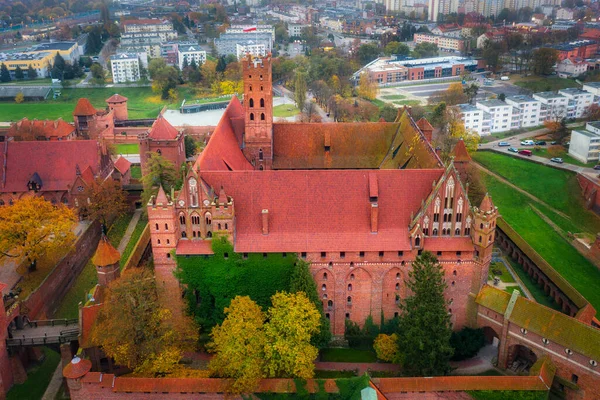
(129,231)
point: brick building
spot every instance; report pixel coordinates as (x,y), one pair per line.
(386,194)
(164,139)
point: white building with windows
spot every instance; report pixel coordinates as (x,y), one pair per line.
(502,116)
(579,101)
(585,143)
(554,103)
(530,112)
(475,119)
(295,30)
(125,67)
(256,49)
(188,53)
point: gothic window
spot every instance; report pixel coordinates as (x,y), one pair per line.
(262,102)
(479,238)
(219,226)
(349,287)
(426,231)
(324,276)
(250,88)
(459,217)
(324,296)
(460,205)
(251,103)
(1,202)
(262,116)
(349,300)
(195,219)
(436,210)
(417,241)
(156,226)
(330,304)
(208,218)
(159,152)
(444,232)
(457,232)
(251,116)
(166,227)
(449,202)
(397,286)
(261,88)
(435,232)
(260,155)
(351,277)
(183,234)
(467,231)
(323,287)
(226,226)
(397,275)
(260,168)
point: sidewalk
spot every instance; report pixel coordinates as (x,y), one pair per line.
(129,231)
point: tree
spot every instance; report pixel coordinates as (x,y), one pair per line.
(396,48)
(97,72)
(452,96)
(292,321)
(300,88)
(4,73)
(491,54)
(19,73)
(557,129)
(366,88)
(238,344)
(457,131)
(302,281)
(151,346)
(544,60)
(106,200)
(501,97)
(466,343)
(59,62)
(164,77)
(438,116)
(471,92)
(32,227)
(367,53)
(190,146)
(159,172)
(31,73)
(423,50)
(221,64)
(592,113)
(386,347)
(388,112)
(424,327)
(19,98)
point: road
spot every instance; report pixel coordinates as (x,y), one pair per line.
(515,142)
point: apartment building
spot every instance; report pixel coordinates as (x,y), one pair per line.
(163,36)
(147,25)
(295,30)
(68,50)
(190,52)
(502,116)
(442,42)
(125,67)
(585,143)
(41,62)
(529,111)
(554,103)
(243,29)
(227,43)
(150,44)
(579,101)
(593,88)
(256,49)
(475,119)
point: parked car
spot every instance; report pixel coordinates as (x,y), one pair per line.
(557,160)
(501,144)
(505,78)
(597,166)
(554,142)
(540,143)
(527,143)
(525,152)
(512,149)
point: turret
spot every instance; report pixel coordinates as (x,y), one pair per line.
(106,259)
(483,233)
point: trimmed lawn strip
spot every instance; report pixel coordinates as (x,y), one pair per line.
(562,153)
(285,110)
(135,236)
(348,355)
(393,97)
(538,293)
(546,84)
(407,103)
(88,278)
(136,172)
(508,395)
(504,276)
(378,103)
(511,289)
(38,378)
(128,148)
(324,374)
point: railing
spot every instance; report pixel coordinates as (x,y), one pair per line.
(64,336)
(53,322)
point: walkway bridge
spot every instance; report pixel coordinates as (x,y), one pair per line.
(45,332)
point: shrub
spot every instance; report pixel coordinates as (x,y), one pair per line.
(466,343)
(386,347)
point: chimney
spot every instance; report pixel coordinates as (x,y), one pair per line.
(265,222)
(374,217)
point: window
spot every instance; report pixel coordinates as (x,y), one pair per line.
(303,254)
(351,277)
(327,316)
(397,286)
(397,275)
(361,254)
(418,253)
(435,232)
(349,287)
(156,225)
(593,363)
(262,102)
(574,378)
(479,239)
(349,300)
(158,241)
(396,315)
(166,227)
(251,116)
(330,265)
(168,255)
(184,234)
(352,264)
(453,283)
(545,341)
(226,255)
(262,116)
(347,315)
(323,254)
(330,304)
(458,254)
(251,103)
(417,241)
(524,331)
(245,255)
(569,352)
(323,287)
(260,154)
(342,254)
(324,276)
(381,254)
(439,253)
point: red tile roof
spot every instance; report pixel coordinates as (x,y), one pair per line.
(89,314)
(161,197)
(194,247)
(31,129)
(122,165)
(486,203)
(460,152)
(323,210)
(55,162)
(87,175)
(105,254)
(84,108)
(162,130)
(77,368)
(116,98)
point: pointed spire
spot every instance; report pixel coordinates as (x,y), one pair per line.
(105,254)
(486,203)
(460,153)
(161,197)
(222,196)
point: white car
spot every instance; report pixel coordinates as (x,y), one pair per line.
(527,143)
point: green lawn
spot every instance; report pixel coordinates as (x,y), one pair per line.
(38,378)
(285,110)
(536,291)
(394,97)
(508,395)
(323,374)
(545,84)
(559,189)
(499,270)
(135,236)
(29,82)
(502,135)
(128,148)
(88,278)
(378,103)
(348,355)
(511,289)
(407,103)
(136,172)
(559,151)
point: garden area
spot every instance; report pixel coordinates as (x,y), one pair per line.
(552,151)
(545,84)
(127,148)
(543,226)
(285,111)
(38,378)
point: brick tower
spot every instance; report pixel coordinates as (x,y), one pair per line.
(118,105)
(483,234)
(258,105)
(106,259)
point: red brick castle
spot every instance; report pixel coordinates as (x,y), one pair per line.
(359,201)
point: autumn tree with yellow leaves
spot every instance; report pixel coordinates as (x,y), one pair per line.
(366,88)
(107,200)
(386,347)
(32,227)
(251,345)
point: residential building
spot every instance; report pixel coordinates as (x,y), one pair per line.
(227,43)
(571,67)
(585,143)
(579,101)
(593,88)
(295,30)
(41,62)
(554,103)
(392,6)
(449,30)
(530,110)
(138,37)
(442,42)
(475,119)
(493,35)
(125,67)
(579,48)
(249,47)
(147,25)
(68,50)
(189,53)
(433,10)
(502,116)
(150,44)
(564,13)
(259,29)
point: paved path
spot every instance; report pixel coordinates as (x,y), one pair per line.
(55,383)
(9,274)
(361,367)
(129,231)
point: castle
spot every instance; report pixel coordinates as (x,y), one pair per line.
(359,201)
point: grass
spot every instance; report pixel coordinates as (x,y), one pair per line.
(285,110)
(536,291)
(348,355)
(322,374)
(38,378)
(545,84)
(511,289)
(508,395)
(142,103)
(407,103)
(504,275)
(88,278)
(394,97)
(378,103)
(135,236)
(559,151)
(136,172)
(559,189)
(28,82)
(502,135)
(128,148)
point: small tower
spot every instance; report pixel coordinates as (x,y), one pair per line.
(483,234)
(84,116)
(106,259)
(258,106)
(118,105)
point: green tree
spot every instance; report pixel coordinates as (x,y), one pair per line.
(97,72)
(367,53)
(19,73)
(424,327)
(31,73)
(221,64)
(471,92)
(59,62)
(190,146)
(544,60)
(438,116)
(4,73)
(107,200)
(423,50)
(501,97)
(491,54)
(302,281)
(388,112)
(158,172)
(396,48)
(300,88)
(164,77)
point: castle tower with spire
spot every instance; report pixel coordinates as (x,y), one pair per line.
(258,106)
(483,234)
(106,259)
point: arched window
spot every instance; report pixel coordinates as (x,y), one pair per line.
(158,241)
(262,102)
(457,232)
(454,272)
(398,276)
(208,218)
(250,88)
(324,296)
(261,88)
(260,168)
(183,234)
(436,210)
(323,287)
(435,232)
(251,103)
(349,300)
(417,241)
(260,155)
(479,239)
(330,304)
(449,202)
(251,116)
(2,202)
(324,276)
(166,227)
(193,189)
(156,226)
(195,220)
(159,152)
(349,287)
(182,219)
(219,226)
(262,116)
(351,277)
(467,231)
(397,286)
(209,234)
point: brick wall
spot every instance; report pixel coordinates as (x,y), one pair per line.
(139,249)
(589,190)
